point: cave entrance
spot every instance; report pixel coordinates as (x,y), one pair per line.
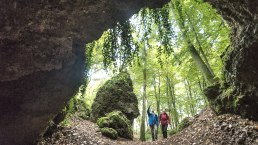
(171,54)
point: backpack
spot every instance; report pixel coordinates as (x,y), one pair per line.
(164,118)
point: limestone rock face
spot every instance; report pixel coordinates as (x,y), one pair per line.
(116,94)
(42,57)
(239,93)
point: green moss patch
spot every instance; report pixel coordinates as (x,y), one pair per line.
(118,121)
(116,94)
(109,132)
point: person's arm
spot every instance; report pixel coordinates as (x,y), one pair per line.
(168,119)
(148,111)
(157,120)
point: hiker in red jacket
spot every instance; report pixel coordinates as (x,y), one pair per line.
(164,120)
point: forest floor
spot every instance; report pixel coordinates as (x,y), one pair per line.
(206,128)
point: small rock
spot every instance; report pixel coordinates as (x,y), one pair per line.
(256,127)
(230,126)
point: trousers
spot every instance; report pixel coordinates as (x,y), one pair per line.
(164,130)
(154,134)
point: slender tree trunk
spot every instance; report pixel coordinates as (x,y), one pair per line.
(159,95)
(196,102)
(169,103)
(142,130)
(180,112)
(172,99)
(200,63)
(190,97)
(176,120)
(157,98)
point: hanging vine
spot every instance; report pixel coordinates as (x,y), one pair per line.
(165,31)
(119,48)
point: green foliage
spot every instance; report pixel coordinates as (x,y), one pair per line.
(109,132)
(89,56)
(75,107)
(168,56)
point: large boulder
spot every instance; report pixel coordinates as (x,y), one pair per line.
(116,94)
(117,121)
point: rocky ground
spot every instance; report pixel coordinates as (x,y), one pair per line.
(207,128)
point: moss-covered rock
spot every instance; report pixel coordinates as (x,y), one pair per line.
(103,121)
(116,94)
(227,98)
(183,124)
(109,132)
(118,121)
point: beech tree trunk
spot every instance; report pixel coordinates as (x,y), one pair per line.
(142,130)
(190,97)
(172,100)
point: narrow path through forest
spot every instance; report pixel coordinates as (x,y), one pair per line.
(207,128)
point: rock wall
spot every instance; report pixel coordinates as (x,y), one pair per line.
(239,93)
(42,57)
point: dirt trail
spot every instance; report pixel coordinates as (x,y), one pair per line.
(207,128)
(84,132)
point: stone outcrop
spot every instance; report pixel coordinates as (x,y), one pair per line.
(117,121)
(116,94)
(239,92)
(42,57)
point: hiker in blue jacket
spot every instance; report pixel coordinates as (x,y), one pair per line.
(153,120)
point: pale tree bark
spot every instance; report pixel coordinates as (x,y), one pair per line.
(172,101)
(157,96)
(190,97)
(157,92)
(142,130)
(169,104)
